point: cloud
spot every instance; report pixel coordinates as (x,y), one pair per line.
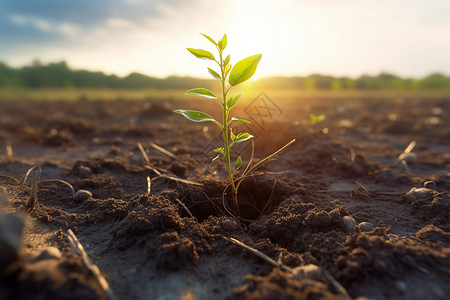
(44,26)
(85,12)
(67,18)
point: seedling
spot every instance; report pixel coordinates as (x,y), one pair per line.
(229,76)
(316,119)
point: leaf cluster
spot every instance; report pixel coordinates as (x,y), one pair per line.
(229,76)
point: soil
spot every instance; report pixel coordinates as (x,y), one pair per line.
(336,211)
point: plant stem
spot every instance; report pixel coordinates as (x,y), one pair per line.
(225,134)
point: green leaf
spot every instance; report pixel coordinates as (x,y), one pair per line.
(202,54)
(214,74)
(238,163)
(223,42)
(233,137)
(242,137)
(244,69)
(202,92)
(196,116)
(209,38)
(232,101)
(227,60)
(242,121)
(316,119)
(219,150)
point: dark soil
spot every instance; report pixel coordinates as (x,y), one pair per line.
(333,210)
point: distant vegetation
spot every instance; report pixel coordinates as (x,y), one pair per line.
(60,75)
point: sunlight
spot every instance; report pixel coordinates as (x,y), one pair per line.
(283,34)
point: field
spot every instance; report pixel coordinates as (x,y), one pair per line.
(357,207)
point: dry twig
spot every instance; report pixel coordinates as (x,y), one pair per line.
(34,186)
(166,152)
(258,253)
(78,248)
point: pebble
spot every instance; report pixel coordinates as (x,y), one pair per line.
(411,158)
(84,171)
(82,195)
(230,225)
(47,253)
(401,286)
(11,228)
(310,271)
(418,193)
(366,226)
(349,223)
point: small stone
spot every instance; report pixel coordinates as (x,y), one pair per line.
(82,195)
(47,253)
(230,225)
(350,223)
(401,286)
(84,171)
(381,267)
(11,228)
(411,158)
(366,226)
(310,271)
(418,193)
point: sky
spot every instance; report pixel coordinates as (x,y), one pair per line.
(410,38)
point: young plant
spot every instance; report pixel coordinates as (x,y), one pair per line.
(229,77)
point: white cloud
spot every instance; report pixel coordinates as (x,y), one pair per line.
(63,28)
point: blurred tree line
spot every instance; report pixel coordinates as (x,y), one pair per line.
(60,75)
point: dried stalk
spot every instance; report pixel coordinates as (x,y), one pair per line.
(78,248)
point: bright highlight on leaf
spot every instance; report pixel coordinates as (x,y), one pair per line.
(202,54)
(202,92)
(214,74)
(209,38)
(242,137)
(242,121)
(196,116)
(244,69)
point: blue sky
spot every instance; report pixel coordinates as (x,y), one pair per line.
(296,37)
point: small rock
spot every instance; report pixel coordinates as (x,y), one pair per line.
(11,228)
(410,158)
(381,267)
(366,226)
(309,271)
(401,286)
(349,223)
(230,225)
(82,195)
(47,253)
(84,171)
(418,193)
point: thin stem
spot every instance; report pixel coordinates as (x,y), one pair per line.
(227,146)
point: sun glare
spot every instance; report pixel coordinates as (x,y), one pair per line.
(280,34)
